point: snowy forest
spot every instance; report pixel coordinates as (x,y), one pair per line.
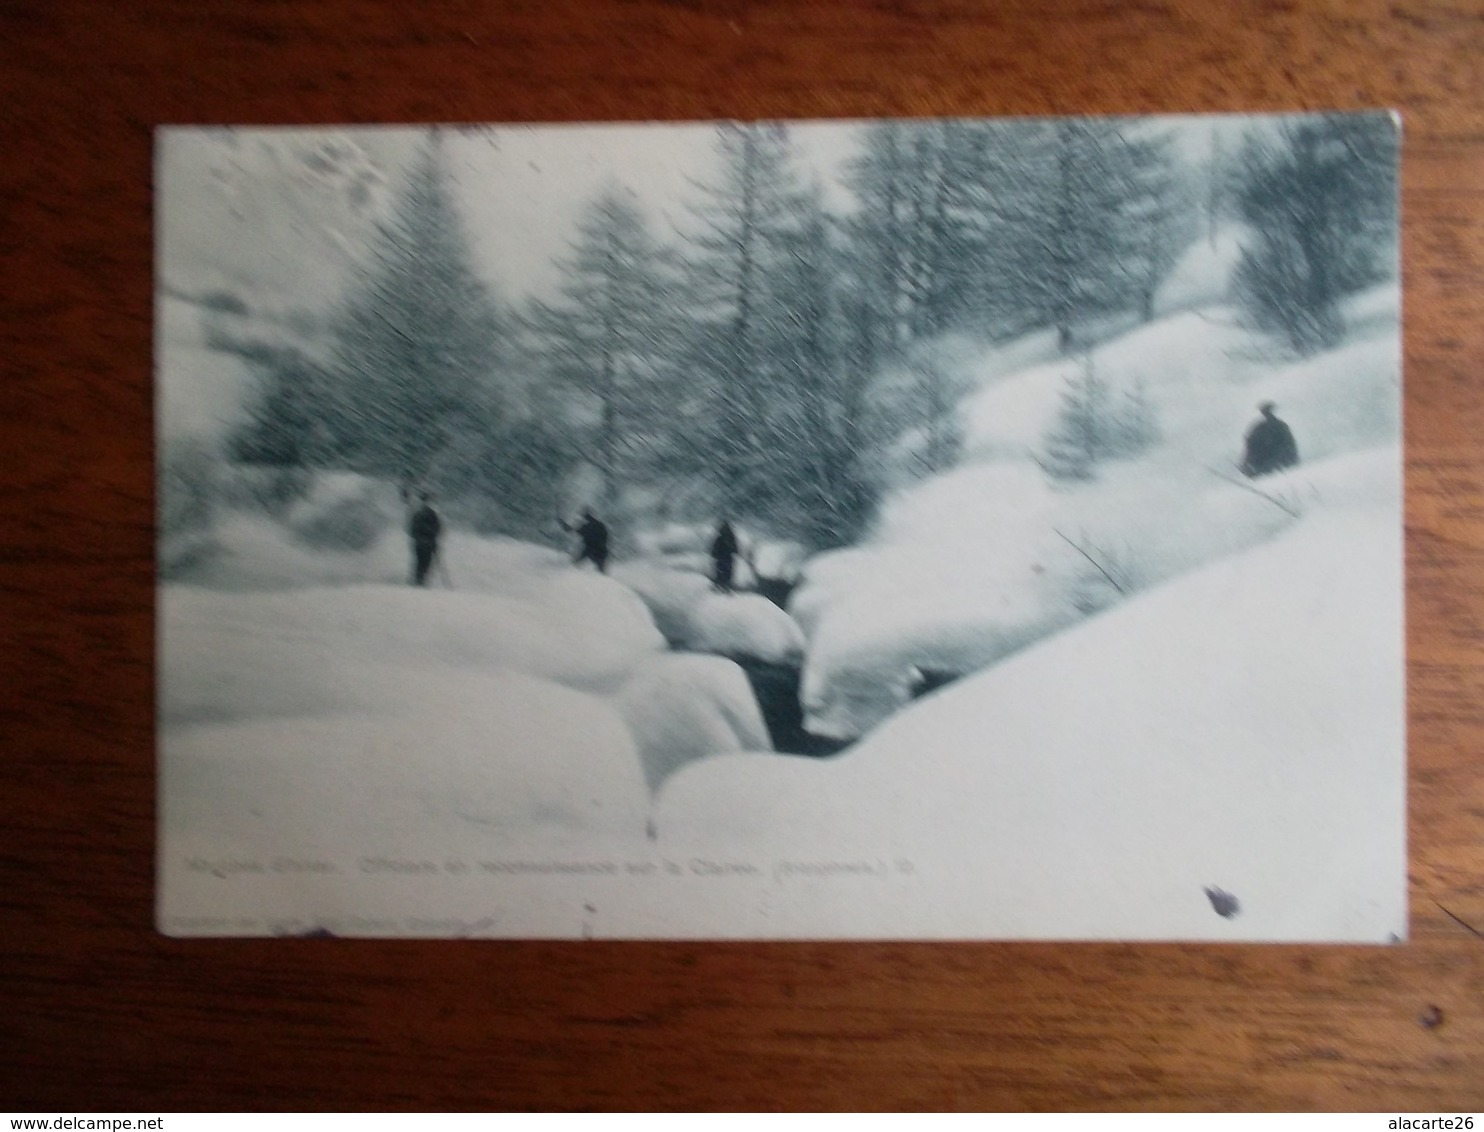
(979,400)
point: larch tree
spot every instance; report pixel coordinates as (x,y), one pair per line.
(1082,433)
(610,334)
(818,417)
(417,338)
(746,223)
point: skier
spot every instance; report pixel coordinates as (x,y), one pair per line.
(424,527)
(724,549)
(594,535)
(1270,445)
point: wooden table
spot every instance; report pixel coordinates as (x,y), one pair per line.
(98,1012)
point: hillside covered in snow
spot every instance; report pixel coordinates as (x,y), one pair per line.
(1169,679)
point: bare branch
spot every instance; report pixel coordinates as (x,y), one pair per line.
(1278,503)
(1098,565)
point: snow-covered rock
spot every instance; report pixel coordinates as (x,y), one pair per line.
(744,624)
(682,707)
(670,594)
(692,615)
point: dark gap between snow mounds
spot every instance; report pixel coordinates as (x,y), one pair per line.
(775,685)
(776,688)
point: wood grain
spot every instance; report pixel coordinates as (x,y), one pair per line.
(98,1012)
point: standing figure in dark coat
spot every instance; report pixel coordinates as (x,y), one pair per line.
(1270,445)
(594,535)
(724,549)
(424,527)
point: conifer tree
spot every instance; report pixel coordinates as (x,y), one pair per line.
(884,178)
(1002,226)
(286,425)
(417,338)
(1322,200)
(611,334)
(1135,422)
(1158,216)
(1079,438)
(774,404)
(818,417)
(1095,423)
(921,223)
(747,220)
(1108,223)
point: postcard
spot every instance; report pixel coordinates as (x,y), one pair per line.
(935,529)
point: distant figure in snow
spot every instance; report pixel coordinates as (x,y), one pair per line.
(424,527)
(594,535)
(724,549)
(1270,445)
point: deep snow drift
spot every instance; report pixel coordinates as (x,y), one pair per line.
(694,616)
(975,564)
(1240,728)
(316,708)
(1173,679)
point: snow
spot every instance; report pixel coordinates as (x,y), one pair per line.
(680,708)
(242,655)
(670,594)
(687,547)
(1239,728)
(742,624)
(1202,276)
(588,612)
(1006,359)
(288,210)
(694,616)
(385,822)
(977,564)
(1172,678)
(968,567)
(344,723)
(516,756)
(199,390)
(251,552)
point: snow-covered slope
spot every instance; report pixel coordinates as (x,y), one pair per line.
(199,390)
(313,651)
(1202,275)
(1238,729)
(973,565)
(386,821)
(1174,679)
(515,759)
